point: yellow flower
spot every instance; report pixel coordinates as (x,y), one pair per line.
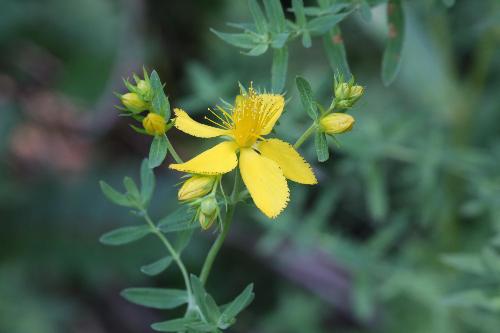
(264,164)
(133,102)
(154,124)
(336,123)
(196,187)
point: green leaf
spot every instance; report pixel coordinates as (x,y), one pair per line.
(174,325)
(157,267)
(131,188)
(322,24)
(258,16)
(258,50)
(179,220)
(468,298)
(213,311)
(138,129)
(391,61)
(306,97)
(278,69)
(278,41)
(298,10)
(491,261)
(237,305)
(114,196)
(160,104)
(468,263)
(321,146)
(365,10)
(449,3)
(335,52)
(147,181)
(275,15)
(241,40)
(158,151)
(200,294)
(156,298)
(125,235)
(376,194)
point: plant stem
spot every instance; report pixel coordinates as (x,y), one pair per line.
(228,219)
(305,136)
(176,156)
(175,256)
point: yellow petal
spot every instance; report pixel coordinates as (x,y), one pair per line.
(190,126)
(214,161)
(265,182)
(272,104)
(289,160)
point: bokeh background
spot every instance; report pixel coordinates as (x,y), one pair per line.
(401,234)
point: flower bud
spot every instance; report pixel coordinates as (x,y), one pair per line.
(208,212)
(154,124)
(336,123)
(144,89)
(196,187)
(134,102)
(346,94)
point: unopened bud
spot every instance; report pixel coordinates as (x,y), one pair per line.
(144,89)
(154,124)
(336,123)
(196,187)
(208,212)
(346,94)
(133,102)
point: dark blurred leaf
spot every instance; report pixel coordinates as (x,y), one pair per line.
(468,263)
(321,146)
(160,102)
(157,267)
(306,97)
(147,181)
(365,10)
(241,301)
(391,61)
(114,196)
(156,298)
(278,69)
(335,52)
(158,151)
(125,235)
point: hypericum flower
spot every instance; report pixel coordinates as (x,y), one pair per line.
(196,187)
(154,124)
(264,163)
(133,102)
(336,123)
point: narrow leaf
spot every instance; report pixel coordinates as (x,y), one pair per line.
(160,102)
(114,196)
(125,235)
(258,50)
(278,69)
(156,298)
(391,61)
(468,263)
(174,325)
(199,294)
(157,267)
(279,40)
(258,16)
(275,15)
(335,52)
(321,146)
(322,24)
(179,220)
(241,40)
(238,304)
(131,188)
(306,97)
(158,151)
(147,181)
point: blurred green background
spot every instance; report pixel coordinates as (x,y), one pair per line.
(401,235)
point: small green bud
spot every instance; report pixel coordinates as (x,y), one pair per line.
(347,94)
(133,102)
(336,123)
(154,124)
(196,187)
(208,212)
(144,89)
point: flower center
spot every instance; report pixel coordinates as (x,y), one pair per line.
(247,119)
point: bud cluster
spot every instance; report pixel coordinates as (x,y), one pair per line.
(198,191)
(346,93)
(138,100)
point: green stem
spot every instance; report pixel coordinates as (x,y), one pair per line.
(305,136)
(228,219)
(176,156)
(175,256)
